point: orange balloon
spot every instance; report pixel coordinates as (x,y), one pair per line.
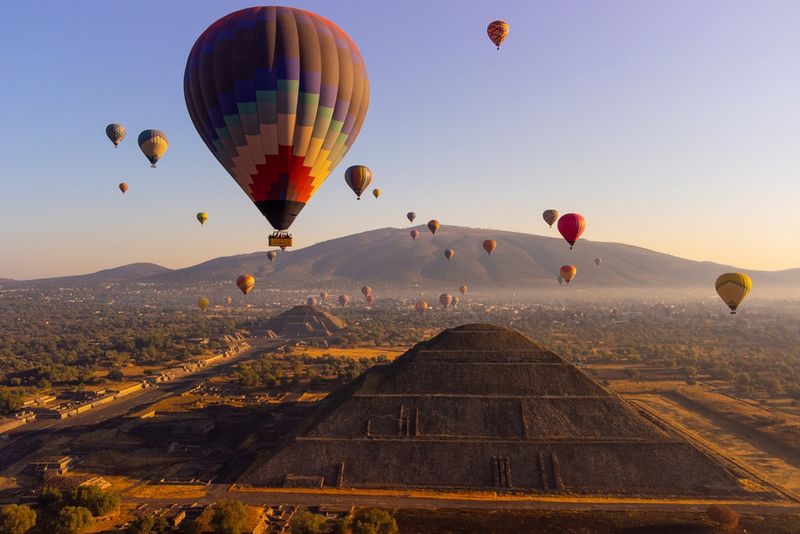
(568,272)
(245,283)
(123,187)
(489,245)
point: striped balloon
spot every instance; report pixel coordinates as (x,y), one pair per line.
(115,132)
(497,31)
(153,144)
(358,178)
(278,95)
(732,288)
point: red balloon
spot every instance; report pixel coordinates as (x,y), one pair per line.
(414,234)
(571,226)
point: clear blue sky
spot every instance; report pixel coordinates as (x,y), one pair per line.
(672,125)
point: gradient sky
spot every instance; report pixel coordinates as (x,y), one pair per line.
(671,125)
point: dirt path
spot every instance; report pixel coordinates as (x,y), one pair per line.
(730,438)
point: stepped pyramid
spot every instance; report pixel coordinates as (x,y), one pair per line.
(483,407)
(305,322)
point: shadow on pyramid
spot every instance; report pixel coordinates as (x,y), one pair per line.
(480,407)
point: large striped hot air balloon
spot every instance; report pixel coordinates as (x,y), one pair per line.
(358,178)
(115,132)
(497,31)
(278,94)
(732,288)
(153,144)
(571,226)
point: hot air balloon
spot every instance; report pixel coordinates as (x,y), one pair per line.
(733,288)
(571,226)
(421,307)
(560,280)
(343,300)
(370,299)
(115,132)
(202,217)
(414,234)
(433,225)
(497,31)
(568,272)
(358,178)
(272,254)
(445,299)
(202,303)
(411,216)
(489,245)
(323,295)
(550,216)
(123,187)
(456,300)
(376,192)
(449,253)
(228,301)
(463,289)
(598,261)
(312,302)
(245,283)
(278,95)
(366,291)
(153,144)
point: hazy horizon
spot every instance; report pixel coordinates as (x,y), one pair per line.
(671,127)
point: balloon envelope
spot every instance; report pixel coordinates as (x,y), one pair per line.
(414,234)
(153,144)
(598,261)
(571,226)
(411,216)
(245,283)
(463,289)
(358,178)
(550,217)
(497,31)
(278,95)
(202,217)
(343,300)
(202,303)
(421,307)
(323,295)
(123,187)
(489,245)
(433,225)
(568,272)
(272,254)
(449,253)
(115,132)
(311,301)
(376,192)
(733,288)
(445,299)
(370,299)
(366,291)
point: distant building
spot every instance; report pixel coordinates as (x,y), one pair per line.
(50,465)
(304,322)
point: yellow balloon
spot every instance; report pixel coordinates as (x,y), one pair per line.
(202,217)
(202,303)
(376,192)
(732,288)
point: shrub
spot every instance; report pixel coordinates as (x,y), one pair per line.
(16,519)
(374,521)
(50,495)
(228,517)
(304,522)
(96,500)
(73,520)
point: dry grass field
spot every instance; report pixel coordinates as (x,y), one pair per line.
(356,353)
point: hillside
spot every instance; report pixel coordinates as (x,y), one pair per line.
(389,257)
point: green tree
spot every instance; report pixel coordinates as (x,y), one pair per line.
(9,401)
(374,521)
(228,517)
(17,519)
(141,525)
(50,495)
(73,520)
(304,522)
(95,499)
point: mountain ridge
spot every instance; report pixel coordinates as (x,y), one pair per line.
(389,256)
